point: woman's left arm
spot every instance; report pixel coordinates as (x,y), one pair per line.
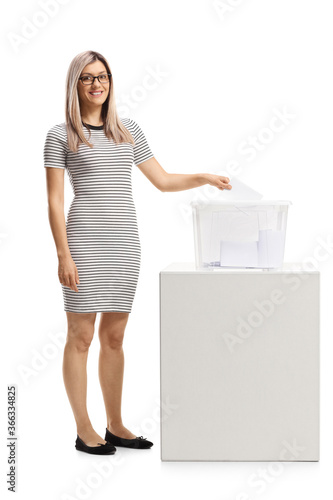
(164,181)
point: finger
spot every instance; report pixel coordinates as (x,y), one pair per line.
(73,284)
(77,279)
(225,180)
(66,281)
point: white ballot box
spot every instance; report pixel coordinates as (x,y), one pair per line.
(239,352)
(245,234)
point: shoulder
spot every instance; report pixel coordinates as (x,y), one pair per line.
(133,127)
(129,123)
(57,136)
(59,129)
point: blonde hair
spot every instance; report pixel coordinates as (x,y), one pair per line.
(113,127)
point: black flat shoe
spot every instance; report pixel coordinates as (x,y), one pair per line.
(138,442)
(104,449)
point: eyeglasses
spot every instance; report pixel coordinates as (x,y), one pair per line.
(89,79)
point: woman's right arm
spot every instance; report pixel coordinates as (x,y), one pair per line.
(67,270)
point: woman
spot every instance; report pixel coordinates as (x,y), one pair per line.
(99,247)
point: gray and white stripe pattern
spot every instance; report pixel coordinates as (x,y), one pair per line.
(101,224)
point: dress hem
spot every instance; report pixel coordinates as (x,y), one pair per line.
(88,312)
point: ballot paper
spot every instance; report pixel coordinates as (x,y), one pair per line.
(240,191)
(239,254)
(235,224)
(270,248)
(266,252)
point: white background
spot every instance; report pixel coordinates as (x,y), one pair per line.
(223,72)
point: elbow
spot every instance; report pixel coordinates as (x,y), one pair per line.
(55,205)
(164,188)
(163,185)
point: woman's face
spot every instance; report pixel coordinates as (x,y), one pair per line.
(86,92)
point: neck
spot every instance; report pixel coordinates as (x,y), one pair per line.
(92,116)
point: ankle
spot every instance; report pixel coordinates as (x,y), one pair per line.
(84,428)
(115,424)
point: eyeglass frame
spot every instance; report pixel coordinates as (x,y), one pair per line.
(93,77)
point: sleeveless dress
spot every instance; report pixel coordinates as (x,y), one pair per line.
(101,225)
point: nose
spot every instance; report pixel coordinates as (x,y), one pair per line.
(95,83)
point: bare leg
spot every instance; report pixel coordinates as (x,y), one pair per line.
(111,369)
(79,336)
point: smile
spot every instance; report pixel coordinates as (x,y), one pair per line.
(96,93)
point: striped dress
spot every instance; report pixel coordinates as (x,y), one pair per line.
(101,225)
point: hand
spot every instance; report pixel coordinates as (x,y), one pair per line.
(67,272)
(218,181)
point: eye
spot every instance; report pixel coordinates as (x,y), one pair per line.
(86,78)
(103,77)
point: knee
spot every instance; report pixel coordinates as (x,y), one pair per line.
(80,340)
(111,339)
